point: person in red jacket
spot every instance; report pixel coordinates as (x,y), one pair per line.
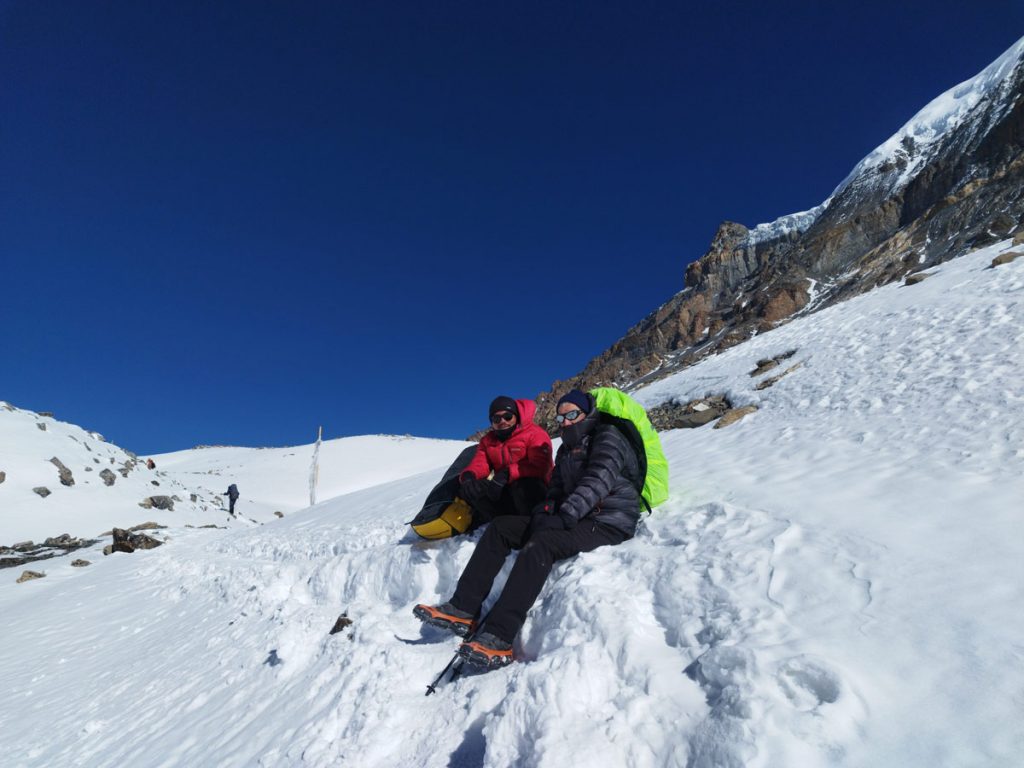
(510,472)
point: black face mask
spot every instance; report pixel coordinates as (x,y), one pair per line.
(574,433)
(504,434)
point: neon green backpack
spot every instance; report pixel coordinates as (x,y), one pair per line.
(623,412)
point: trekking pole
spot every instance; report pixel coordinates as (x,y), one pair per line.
(432,688)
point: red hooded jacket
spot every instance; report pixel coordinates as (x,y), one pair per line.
(526,452)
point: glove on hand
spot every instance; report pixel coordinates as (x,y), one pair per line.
(548,507)
(496,485)
(472,489)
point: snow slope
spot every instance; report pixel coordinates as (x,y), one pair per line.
(269,479)
(278,478)
(835,580)
(27,443)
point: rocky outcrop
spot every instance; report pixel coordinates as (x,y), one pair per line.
(27,551)
(1006,258)
(108,477)
(66,478)
(42,491)
(30,575)
(734,415)
(126,541)
(920,199)
(158,502)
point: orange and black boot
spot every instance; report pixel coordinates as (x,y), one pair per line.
(486,651)
(446,616)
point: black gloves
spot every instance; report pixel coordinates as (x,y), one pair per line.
(546,507)
(496,485)
(472,490)
(547,517)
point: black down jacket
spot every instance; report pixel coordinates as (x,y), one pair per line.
(595,473)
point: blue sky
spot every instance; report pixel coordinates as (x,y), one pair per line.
(232,222)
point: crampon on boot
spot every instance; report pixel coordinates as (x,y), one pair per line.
(446,616)
(486,651)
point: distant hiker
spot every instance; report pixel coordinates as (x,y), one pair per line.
(150,464)
(516,455)
(232,498)
(593,501)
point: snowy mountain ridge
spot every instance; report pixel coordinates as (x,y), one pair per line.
(895,162)
(946,183)
(834,581)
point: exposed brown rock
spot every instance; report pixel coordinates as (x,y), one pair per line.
(763,366)
(964,193)
(917,277)
(1005,258)
(44,492)
(29,575)
(731,417)
(108,477)
(124,541)
(771,380)
(64,473)
(80,563)
(343,622)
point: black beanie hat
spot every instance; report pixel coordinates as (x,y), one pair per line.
(580,399)
(502,403)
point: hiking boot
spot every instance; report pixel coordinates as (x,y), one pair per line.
(446,616)
(487,651)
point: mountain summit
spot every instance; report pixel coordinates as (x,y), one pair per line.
(948,181)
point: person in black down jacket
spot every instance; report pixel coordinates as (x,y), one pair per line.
(592,501)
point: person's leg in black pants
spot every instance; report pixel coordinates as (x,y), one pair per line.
(506,533)
(534,564)
(529,573)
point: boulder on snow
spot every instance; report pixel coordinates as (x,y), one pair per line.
(278,513)
(763,366)
(80,563)
(1005,258)
(917,277)
(66,478)
(41,425)
(3,476)
(158,502)
(44,492)
(772,379)
(342,622)
(125,541)
(734,415)
(29,575)
(695,413)
(108,477)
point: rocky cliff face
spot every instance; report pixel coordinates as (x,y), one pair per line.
(950,180)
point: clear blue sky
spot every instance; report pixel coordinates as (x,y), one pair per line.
(232,222)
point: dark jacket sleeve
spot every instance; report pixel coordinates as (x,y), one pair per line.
(556,490)
(606,465)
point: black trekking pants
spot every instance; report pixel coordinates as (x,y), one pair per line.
(539,554)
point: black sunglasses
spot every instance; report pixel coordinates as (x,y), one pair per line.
(497,418)
(570,416)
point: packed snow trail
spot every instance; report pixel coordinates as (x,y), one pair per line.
(835,580)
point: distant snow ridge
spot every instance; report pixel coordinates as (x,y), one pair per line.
(792,224)
(894,163)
